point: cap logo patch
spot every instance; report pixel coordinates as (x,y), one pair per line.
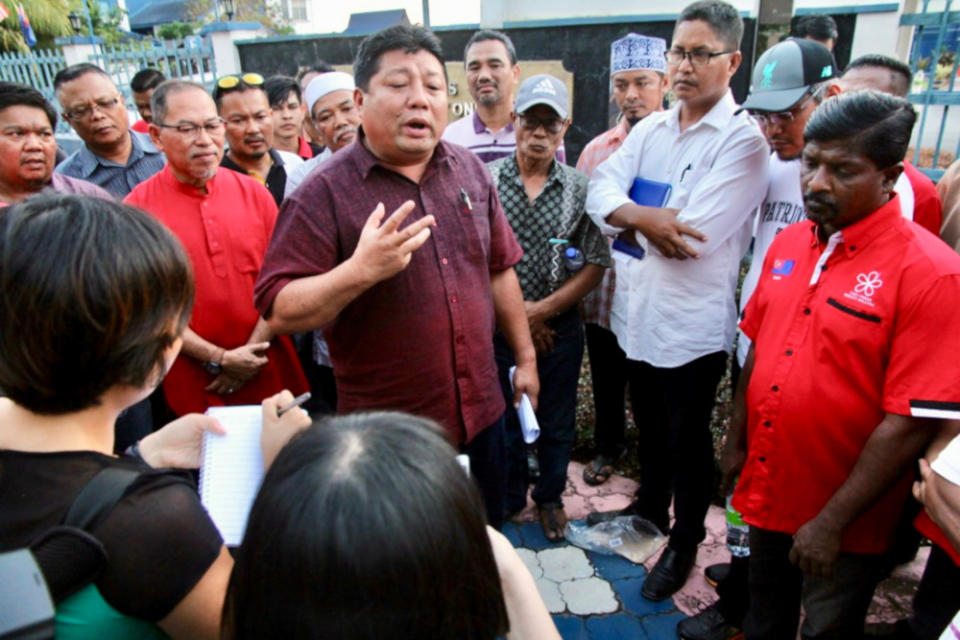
(768,74)
(827,71)
(544,86)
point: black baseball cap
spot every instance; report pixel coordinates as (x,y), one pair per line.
(786,71)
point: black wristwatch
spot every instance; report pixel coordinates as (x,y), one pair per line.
(213,366)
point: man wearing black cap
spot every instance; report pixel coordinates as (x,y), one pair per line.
(787,86)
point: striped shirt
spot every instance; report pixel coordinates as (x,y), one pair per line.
(119,179)
(470,132)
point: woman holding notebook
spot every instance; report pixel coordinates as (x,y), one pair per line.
(93,298)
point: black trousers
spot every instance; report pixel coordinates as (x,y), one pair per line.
(488,468)
(938,597)
(835,608)
(672,408)
(608,369)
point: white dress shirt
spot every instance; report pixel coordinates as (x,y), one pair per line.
(669,312)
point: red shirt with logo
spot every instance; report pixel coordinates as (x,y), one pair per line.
(845,331)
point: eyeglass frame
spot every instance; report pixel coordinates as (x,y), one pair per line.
(84,112)
(552,129)
(785,117)
(689,55)
(194,132)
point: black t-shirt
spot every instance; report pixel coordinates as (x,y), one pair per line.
(159,539)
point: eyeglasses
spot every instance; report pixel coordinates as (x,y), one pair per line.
(532,123)
(191,130)
(697,58)
(82,113)
(781,118)
(231,82)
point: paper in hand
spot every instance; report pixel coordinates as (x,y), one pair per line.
(232,469)
(528,417)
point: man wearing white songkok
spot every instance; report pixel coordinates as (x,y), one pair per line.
(637,81)
(329,100)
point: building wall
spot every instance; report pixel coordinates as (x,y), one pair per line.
(582,49)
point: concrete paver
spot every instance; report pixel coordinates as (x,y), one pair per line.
(597,597)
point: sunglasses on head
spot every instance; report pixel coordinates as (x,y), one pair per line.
(231,82)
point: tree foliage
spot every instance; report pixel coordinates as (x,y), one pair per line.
(266,13)
(47,17)
(175,30)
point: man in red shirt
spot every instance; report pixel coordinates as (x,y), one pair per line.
(408,311)
(224,220)
(854,341)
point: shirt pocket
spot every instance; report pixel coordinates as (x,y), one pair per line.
(689,179)
(475,221)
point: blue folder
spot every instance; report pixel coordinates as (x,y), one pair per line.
(648,193)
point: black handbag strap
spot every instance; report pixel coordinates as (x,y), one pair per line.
(99,496)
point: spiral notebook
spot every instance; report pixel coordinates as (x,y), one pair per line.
(231,469)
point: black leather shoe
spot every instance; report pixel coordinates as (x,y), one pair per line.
(668,575)
(716,573)
(709,624)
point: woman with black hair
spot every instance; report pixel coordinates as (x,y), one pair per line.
(94,296)
(366,527)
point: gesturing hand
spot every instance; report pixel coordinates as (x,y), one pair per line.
(383,249)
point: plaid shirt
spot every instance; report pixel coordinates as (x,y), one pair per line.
(597,303)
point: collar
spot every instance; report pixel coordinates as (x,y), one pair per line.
(510,171)
(171,182)
(718,117)
(479,127)
(365,161)
(864,231)
(303,148)
(88,161)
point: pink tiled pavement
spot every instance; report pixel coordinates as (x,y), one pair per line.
(891,601)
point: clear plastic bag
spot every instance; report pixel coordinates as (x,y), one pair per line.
(632,537)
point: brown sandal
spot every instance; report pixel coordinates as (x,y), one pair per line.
(553,519)
(599,470)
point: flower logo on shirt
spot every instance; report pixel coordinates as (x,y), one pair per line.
(868,283)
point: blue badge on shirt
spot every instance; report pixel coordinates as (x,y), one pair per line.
(782,267)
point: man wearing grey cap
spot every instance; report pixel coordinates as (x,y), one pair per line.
(789,81)
(638,80)
(703,170)
(564,258)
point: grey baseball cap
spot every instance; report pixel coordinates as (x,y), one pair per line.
(786,71)
(543,89)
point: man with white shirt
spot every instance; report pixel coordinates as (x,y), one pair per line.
(674,311)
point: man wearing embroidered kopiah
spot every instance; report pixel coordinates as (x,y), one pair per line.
(854,341)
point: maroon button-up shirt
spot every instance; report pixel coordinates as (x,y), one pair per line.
(421,341)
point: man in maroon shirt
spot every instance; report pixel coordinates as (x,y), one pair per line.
(408,312)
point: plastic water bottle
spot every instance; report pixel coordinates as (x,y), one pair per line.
(738,532)
(573,259)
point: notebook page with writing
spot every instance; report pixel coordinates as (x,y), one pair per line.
(232,469)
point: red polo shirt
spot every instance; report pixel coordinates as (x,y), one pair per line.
(421,341)
(845,332)
(225,232)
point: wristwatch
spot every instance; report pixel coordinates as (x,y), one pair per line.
(213,366)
